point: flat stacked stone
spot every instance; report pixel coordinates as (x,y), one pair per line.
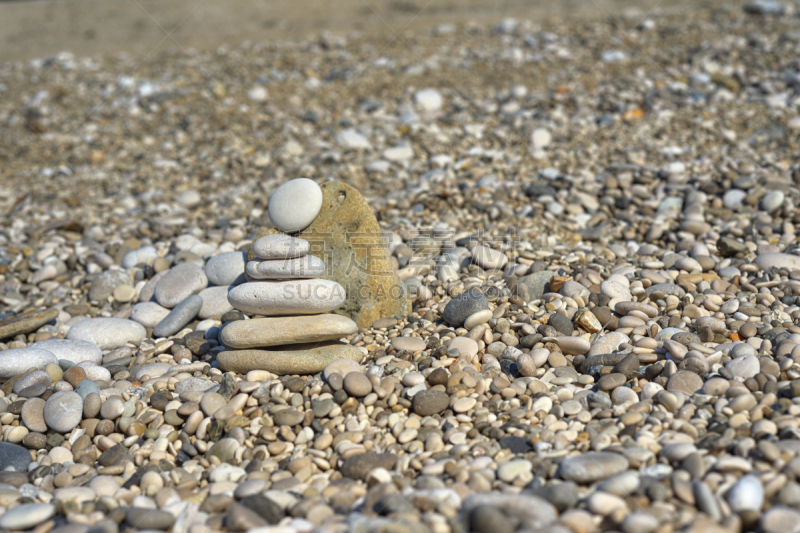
(277,331)
(291,304)
(292,359)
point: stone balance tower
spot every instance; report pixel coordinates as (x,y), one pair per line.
(292,333)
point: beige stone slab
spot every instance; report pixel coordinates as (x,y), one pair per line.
(297,359)
(277,331)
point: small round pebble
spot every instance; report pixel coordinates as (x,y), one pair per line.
(356,384)
(63,411)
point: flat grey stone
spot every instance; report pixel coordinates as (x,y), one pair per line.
(183,313)
(462,306)
(13,456)
(108,333)
(593,466)
(16,361)
(148,314)
(179,283)
(215,302)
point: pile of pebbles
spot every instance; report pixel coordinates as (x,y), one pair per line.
(605,333)
(299,299)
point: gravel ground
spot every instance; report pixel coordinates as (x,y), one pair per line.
(595,222)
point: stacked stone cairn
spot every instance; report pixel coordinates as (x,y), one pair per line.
(291,330)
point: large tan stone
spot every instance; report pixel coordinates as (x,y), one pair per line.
(293,359)
(278,331)
(347,237)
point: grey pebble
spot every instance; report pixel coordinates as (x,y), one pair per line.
(226,268)
(462,306)
(181,315)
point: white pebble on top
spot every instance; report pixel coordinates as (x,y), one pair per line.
(295,205)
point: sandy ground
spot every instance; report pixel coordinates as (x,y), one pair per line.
(38,28)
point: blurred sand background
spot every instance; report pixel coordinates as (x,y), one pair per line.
(37,28)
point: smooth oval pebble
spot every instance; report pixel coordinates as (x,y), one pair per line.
(226,268)
(37,377)
(744,367)
(63,411)
(573,345)
(140,256)
(112,408)
(477,318)
(746,494)
(26,516)
(95,372)
(463,346)
(108,333)
(124,293)
(463,405)
(489,258)
(685,381)
(430,402)
(357,384)
(74,351)
(153,370)
(17,360)
(180,282)
(32,415)
(592,466)
(770,260)
(412,344)
(780,519)
(295,204)
(148,314)
(623,308)
(510,470)
(615,290)
(14,457)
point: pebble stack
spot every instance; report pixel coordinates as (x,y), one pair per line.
(288,303)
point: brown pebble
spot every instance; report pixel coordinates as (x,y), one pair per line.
(74,375)
(91,405)
(438,377)
(748,330)
(357,384)
(611,381)
(188,408)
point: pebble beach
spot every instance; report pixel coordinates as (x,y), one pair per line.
(490,277)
